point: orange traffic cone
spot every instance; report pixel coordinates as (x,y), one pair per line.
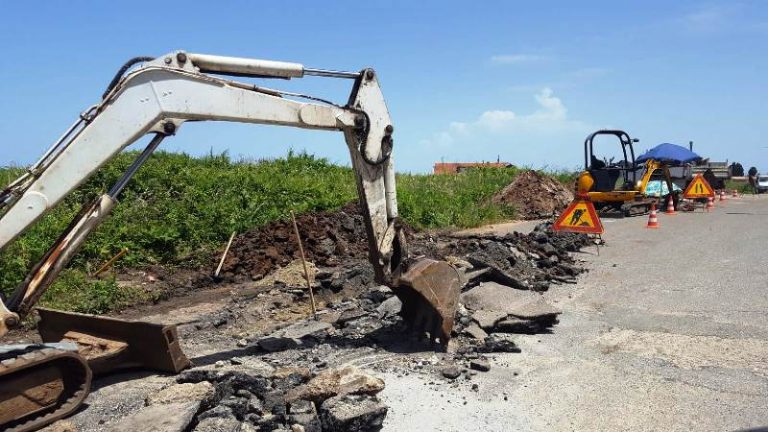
(710,203)
(670,207)
(722,195)
(653,222)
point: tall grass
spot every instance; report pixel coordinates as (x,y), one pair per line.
(178,209)
(462,200)
(741,187)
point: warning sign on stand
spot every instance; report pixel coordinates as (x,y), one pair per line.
(699,188)
(581,217)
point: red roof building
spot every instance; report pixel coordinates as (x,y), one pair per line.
(457,167)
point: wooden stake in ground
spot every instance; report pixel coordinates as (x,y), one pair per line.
(304,263)
(109,263)
(224,255)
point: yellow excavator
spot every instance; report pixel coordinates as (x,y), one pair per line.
(618,188)
(156,96)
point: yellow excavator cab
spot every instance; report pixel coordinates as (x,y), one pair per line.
(619,188)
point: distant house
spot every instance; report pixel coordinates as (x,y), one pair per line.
(457,167)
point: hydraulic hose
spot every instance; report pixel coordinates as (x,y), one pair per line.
(130,63)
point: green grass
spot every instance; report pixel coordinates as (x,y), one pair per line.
(742,187)
(566,177)
(179,209)
(454,201)
(74,291)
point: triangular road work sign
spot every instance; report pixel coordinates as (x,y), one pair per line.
(699,188)
(581,217)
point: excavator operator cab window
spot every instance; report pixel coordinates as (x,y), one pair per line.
(610,160)
(596,164)
(605,179)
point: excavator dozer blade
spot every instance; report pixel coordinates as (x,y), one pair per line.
(429,291)
(40,384)
(109,344)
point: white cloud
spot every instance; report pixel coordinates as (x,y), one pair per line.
(733,17)
(707,19)
(517,58)
(586,74)
(546,136)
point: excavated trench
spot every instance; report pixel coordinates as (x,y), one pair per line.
(263,364)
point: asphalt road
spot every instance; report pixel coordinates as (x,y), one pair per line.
(667,331)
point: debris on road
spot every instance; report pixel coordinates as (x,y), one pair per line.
(496,343)
(202,392)
(523,261)
(352,413)
(288,398)
(286,371)
(499,308)
(334,383)
(451,372)
(295,335)
(480,365)
(174,417)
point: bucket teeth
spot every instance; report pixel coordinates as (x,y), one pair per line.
(429,291)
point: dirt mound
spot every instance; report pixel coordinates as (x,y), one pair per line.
(535,195)
(329,238)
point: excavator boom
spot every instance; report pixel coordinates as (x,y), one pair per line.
(157,98)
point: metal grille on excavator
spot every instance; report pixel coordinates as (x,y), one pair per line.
(39,385)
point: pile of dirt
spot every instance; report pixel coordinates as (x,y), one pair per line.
(329,239)
(335,242)
(535,195)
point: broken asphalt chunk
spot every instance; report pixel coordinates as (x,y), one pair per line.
(352,413)
(499,343)
(336,382)
(295,335)
(480,365)
(158,418)
(451,372)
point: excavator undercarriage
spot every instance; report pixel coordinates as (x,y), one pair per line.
(39,384)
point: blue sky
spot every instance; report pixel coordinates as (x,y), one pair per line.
(523,81)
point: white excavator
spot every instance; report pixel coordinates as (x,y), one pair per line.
(43,382)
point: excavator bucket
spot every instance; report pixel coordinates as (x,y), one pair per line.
(110,344)
(41,384)
(429,291)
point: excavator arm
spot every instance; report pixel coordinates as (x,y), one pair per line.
(164,93)
(156,99)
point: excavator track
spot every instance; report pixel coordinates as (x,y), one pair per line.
(40,384)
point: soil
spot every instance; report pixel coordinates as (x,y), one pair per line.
(535,195)
(329,239)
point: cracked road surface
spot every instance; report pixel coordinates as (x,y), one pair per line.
(667,331)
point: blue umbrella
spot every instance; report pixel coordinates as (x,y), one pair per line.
(671,153)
